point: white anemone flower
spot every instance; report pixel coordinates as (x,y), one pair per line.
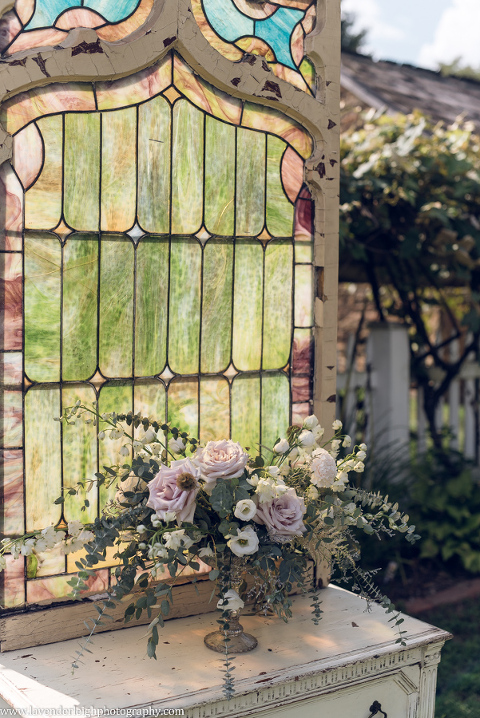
(245,510)
(244,543)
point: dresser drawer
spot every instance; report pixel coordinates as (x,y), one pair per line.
(396,694)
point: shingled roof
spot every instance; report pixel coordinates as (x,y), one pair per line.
(404,88)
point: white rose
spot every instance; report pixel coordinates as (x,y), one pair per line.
(244,543)
(231,601)
(282,447)
(323,469)
(245,510)
(337,425)
(310,422)
(176,445)
(306,438)
(223,459)
(347,441)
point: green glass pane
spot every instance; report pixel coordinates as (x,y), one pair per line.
(217,305)
(116,306)
(303,295)
(184,321)
(303,252)
(43,259)
(80,296)
(279,207)
(214,409)
(151,306)
(150,400)
(275,407)
(247,319)
(219,177)
(187,168)
(79,455)
(183,405)
(43,201)
(43,477)
(154,121)
(82,170)
(277,328)
(116,397)
(119,184)
(250,182)
(246,412)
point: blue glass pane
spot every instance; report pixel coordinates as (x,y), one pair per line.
(47,11)
(227,20)
(277,31)
(112,10)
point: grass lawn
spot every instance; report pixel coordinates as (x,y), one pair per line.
(458,691)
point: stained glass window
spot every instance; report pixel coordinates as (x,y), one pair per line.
(38,23)
(275,30)
(157,256)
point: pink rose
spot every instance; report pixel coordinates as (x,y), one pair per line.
(175,488)
(282,516)
(223,459)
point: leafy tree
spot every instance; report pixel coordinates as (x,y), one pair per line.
(458,69)
(351,41)
(410,205)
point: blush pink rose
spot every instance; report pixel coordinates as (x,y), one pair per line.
(223,459)
(283,516)
(175,488)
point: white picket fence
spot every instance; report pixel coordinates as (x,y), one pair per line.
(381,403)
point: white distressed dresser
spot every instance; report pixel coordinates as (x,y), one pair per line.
(348,666)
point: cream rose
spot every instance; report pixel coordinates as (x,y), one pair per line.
(323,469)
(223,459)
(283,516)
(174,489)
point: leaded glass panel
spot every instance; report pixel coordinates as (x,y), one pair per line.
(164,266)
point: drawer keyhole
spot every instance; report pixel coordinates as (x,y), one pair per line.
(375,709)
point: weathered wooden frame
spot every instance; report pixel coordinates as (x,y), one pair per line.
(83,56)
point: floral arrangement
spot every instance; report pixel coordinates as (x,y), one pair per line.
(180,504)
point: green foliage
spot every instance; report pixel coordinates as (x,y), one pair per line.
(458,685)
(351,41)
(446,506)
(457,68)
(410,198)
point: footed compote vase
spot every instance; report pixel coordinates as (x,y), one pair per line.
(238,641)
